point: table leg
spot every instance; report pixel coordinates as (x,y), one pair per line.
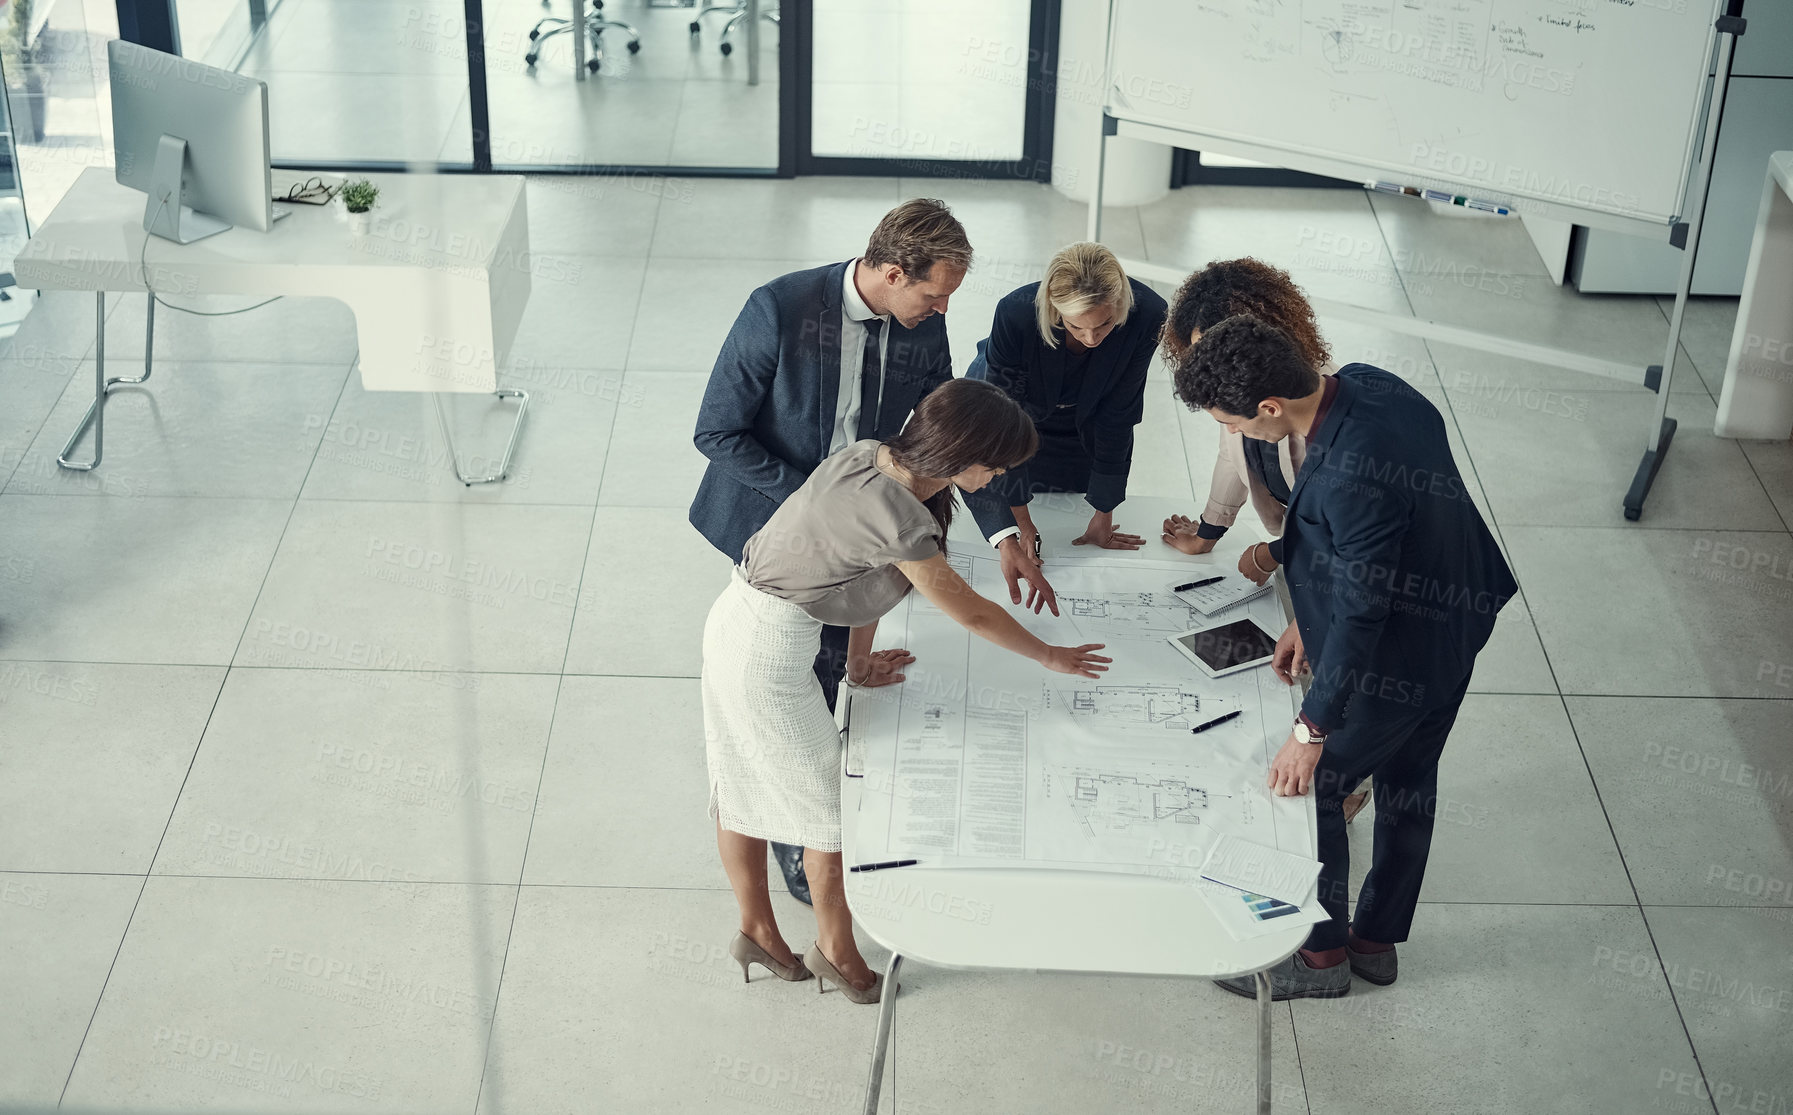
(1263,982)
(504,466)
(753,42)
(578,30)
(96,411)
(886,1008)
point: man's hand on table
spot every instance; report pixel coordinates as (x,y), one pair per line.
(1019,564)
(1292,771)
(1289,660)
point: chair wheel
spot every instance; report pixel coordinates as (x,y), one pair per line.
(634,46)
(529,60)
(727,49)
(696,27)
(534,35)
(592,65)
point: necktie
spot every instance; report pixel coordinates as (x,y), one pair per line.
(871,380)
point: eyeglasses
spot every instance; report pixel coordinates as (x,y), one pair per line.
(313,191)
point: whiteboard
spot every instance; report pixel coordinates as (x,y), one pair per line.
(1539,105)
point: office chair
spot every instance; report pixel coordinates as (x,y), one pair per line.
(738,10)
(595,24)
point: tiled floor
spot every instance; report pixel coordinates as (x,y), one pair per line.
(328,784)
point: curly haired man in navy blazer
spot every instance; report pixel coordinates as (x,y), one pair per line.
(1396,583)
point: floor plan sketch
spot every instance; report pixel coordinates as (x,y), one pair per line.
(981,758)
(1113,802)
(1172,707)
(1129,615)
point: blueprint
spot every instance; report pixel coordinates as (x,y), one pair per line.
(985,758)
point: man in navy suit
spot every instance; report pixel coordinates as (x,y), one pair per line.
(1396,582)
(817,360)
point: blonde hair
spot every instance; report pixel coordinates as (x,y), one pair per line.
(1079,278)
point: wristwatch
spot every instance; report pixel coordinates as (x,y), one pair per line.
(1305,734)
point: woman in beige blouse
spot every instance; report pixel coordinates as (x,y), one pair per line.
(869,523)
(1260,471)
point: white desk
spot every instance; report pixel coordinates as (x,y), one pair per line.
(1757,399)
(1061,920)
(437,284)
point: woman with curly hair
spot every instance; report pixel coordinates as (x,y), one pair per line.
(1247,468)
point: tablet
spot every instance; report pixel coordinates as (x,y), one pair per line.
(1226,648)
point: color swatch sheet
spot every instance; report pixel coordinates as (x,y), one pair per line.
(983,758)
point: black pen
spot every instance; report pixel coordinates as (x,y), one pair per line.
(886,863)
(1211,723)
(1200,584)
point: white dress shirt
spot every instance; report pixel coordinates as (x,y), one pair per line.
(854,313)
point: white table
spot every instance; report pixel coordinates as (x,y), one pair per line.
(437,283)
(1062,920)
(1757,399)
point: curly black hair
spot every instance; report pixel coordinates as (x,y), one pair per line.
(1241,286)
(1241,362)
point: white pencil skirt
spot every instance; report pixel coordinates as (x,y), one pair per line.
(772,745)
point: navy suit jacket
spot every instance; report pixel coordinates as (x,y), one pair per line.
(1395,578)
(768,413)
(1110,403)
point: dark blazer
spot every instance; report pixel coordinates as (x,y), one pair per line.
(768,413)
(1015,358)
(1395,578)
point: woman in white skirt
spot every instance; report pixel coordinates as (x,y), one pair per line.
(869,523)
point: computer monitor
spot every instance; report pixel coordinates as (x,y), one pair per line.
(192,137)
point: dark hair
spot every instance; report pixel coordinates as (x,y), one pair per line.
(916,235)
(1241,362)
(961,424)
(1241,286)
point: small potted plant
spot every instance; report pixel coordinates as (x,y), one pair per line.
(358,198)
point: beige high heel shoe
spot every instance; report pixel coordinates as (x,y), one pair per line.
(746,951)
(826,973)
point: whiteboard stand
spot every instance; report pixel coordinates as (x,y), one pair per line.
(1662,431)
(1683,234)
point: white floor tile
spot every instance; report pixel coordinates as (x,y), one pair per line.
(593,825)
(95,757)
(239,430)
(1498,1008)
(274,994)
(1300,231)
(358,774)
(1700,793)
(1729,973)
(688,306)
(652,461)
(581,314)
(1650,613)
(408,586)
(1516,822)
(597,214)
(1561,459)
(131,580)
(387,445)
(649,582)
(817,218)
(592,977)
(58,935)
